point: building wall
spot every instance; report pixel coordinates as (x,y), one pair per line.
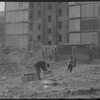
(2,32)
(49,29)
(16,14)
(52,23)
(84,22)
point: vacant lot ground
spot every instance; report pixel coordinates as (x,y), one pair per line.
(83,82)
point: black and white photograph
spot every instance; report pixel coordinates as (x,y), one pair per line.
(49,50)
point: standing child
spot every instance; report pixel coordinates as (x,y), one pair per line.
(71,64)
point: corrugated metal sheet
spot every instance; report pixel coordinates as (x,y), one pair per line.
(21,29)
(17,41)
(16,6)
(89,38)
(17,16)
(10,6)
(12,41)
(25,25)
(90,24)
(10,29)
(74,25)
(26,5)
(23,41)
(20,15)
(74,38)
(82,53)
(17,28)
(25,15)
(90,10)
(10,16)
(74,11)
(23,5)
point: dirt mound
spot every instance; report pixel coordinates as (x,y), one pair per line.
(10,67)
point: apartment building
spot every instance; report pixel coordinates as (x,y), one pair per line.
(31,22)
(52,23)
(84,22)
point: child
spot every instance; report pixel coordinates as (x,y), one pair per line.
(71,64)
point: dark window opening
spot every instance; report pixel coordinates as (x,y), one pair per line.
(31,26)
(31,38)
(59,12)
(49,6)
(31,16)
(60,38)
(49,42)
(39,13)
(38,37)
(39,26)
(59,25)
(49,18)
(49,30)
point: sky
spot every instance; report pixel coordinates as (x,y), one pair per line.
(2,6)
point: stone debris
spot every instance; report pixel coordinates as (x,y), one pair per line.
(58,84)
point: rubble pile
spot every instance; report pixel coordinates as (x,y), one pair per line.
(7,65)
(29,60)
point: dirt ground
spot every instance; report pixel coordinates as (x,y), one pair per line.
(83,82)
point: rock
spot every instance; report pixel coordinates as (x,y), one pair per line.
(55,84)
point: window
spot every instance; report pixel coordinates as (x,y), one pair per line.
(60,38)
(31,38)
(31,16)
(39,26)
(59,12)
(49,6)
(49,42)
(49,30)
(31,26)
(59,25)
(74,11)
(74,25)
(49,18)
(38,37)
(39,13)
